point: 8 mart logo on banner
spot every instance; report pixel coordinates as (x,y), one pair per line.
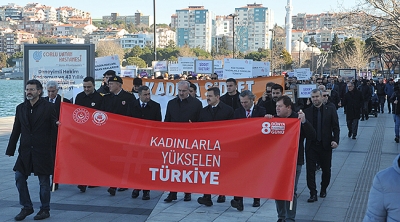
(273,128)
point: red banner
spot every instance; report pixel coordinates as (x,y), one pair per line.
(253,157)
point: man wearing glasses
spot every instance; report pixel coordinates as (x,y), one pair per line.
(352,101)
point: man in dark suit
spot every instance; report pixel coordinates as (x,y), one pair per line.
(326,124)
(144,108)
(231,97)
(117,101)
(248,110)
(89,98)
(215,111)
(104,89)
(35,127)
(284,110)
(183,108)
(53,97)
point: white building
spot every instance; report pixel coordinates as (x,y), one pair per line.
(252,25)
(164,37)
(131,40)
(195,27)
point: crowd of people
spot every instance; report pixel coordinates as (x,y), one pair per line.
(319,133)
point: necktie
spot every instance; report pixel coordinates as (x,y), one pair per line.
(248,113)
(143,105)
(319,123)
(52,100)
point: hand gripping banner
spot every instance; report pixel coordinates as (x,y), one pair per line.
(253,157)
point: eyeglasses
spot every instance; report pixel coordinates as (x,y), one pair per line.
(213,78)
(325,95)
(268,91)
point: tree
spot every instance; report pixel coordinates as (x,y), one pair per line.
(109,48)
(140,63)
(3,60)
(313,42)
(136,51)
(16,55)
(46,40)
(353,54)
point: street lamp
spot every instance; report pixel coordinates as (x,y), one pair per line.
(312,57)
(330,68)
(233,34)
(281,56)
(299,51)
(154,29)
(272,47)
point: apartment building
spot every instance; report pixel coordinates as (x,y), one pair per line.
(195,27)
(252,27)
(137,19)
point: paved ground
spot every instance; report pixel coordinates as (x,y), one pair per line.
(354,164)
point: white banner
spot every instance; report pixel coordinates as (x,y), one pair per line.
(220,73)
(204,66)
(238,68)
(173,69)
(102,64)
(217,64)
(290,74)
(261,68)
(128,73)
(302,74)
(186,63)
(304,90)
(160,66)
(67,67)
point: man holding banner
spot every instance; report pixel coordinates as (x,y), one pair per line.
(284,109)
(183,108)
(247,110)
(215,111)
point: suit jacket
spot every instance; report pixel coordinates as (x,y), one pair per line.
(36,138)
(258,111)
(94,100)
(330,126)
(221,112)
(183,111)
(57,104)
(152,110)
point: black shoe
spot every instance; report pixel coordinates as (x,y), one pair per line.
(82,188)
(221,199)
(362,119)
(188,197)
(56,186)
(43,214)
(205,200)
(354,137)
(92,186)
(238,204)
(112,191)
(349,134)
(396,139)
(170,198)
(312,198)
(322,194)
(367,117)
(135,193)
(146,195)
(281,220)
(122,189)
(24,212)
(256,202)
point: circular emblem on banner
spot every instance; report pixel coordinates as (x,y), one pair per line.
(81,115)
(99,118)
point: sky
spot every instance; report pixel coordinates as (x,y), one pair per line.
(165,8)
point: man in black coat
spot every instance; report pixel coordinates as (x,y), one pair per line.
(231,97)
(183,108)
(144,108)
(270,106)
(117,101)
(284,110)
(215,111)
(89,98)
(35,122)
(326,124)
(247,110)
(104,89)
(380,91)
(353,101)
(366,94)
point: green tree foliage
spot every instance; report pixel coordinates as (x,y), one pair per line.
(16,55)
(46,40)
(140,63)
(260,55)
(3,60)
(287,58)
